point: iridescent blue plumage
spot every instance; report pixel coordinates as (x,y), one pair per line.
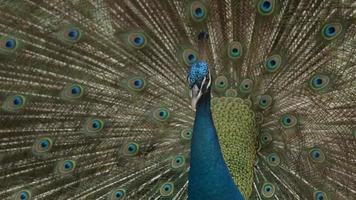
(209,176)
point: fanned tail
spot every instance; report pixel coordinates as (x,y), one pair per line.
(95,104)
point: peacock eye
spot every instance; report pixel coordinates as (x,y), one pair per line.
(167,189)
(221,83)
(178,161)
(273,159)
(131,149)
(198,11)
(317,155)
(161,114)
(190,56)
(71,35)
(93,126)
(186,134)
(265,101)
(118,194)
(319,195)
(273,63)
(319,82)
(136,84)
(13,103)
(10,44)
(17,101)
(331,30)
(73,91)
(246,86)
(265,138)
(23,195)
(288,121)
(266,7)
(42,145)
(234,50)
(76,90)
(74,34)
(268,190)
(97,124)
(137,40)
(66,166)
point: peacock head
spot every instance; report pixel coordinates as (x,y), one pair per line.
(199,79)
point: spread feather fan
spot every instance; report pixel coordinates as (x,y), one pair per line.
(95,101)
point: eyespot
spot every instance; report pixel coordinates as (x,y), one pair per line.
(42,145)
(273,63)
(317,155)
(178,161)
(331,30)
(118,194)
(268,190)
(72,34)
(73,91)
(23,195)
(10,44)
(264,101)
(265,138)
(167,189)
(319,82)
(246,86)
(66,166)
(131,149)
(93,125)
(161,114)
(198,11)
(273,159)
(235,50)
(221,83)
(186,134)
(14,103)
(320,195)
(288,121)
(266,7)
(137,84)
(190,56)
(137,40)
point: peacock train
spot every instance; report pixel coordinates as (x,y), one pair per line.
(177,99)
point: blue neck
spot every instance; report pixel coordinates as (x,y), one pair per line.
(209,177)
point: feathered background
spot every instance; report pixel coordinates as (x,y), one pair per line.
(95,103)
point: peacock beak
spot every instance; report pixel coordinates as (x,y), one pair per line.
(196,92)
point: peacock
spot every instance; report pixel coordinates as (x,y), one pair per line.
(178,99)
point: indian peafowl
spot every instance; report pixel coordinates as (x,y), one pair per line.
(178,99)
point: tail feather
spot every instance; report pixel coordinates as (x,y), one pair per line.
(95,104)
